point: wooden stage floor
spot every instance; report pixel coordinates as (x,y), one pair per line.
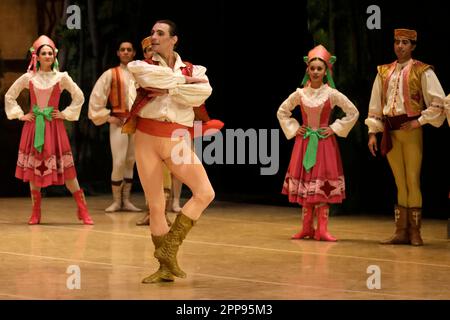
(236,251)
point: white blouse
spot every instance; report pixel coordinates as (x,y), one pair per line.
(447,108)
(176,106)
(316,98)
(44,80)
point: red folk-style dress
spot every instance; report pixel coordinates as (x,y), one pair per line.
(324,182)
(54,163)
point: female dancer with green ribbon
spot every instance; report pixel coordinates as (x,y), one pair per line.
(45,157)
(315,176)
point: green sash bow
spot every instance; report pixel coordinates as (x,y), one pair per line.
(39,133)
(309,159)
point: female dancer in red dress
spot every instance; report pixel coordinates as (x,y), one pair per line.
(45,157)
(315,176)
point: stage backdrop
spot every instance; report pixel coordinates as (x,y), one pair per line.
(254,55)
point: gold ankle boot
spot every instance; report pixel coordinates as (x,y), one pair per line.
(163,274)
(167,253)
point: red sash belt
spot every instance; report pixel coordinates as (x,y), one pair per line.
(159,128)
(390,124)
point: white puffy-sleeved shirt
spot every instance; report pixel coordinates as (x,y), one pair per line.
(431,89)
(315,98)
(444,105)
(176,106)
(98,112)
(44,80)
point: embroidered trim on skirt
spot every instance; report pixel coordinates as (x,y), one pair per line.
(54,164)
(324,183)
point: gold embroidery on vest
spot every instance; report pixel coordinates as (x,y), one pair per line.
(412,86)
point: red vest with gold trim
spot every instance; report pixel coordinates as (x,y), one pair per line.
(412,85)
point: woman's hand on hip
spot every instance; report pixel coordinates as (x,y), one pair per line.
(301,131)
(56,114)
(327,132)
(27,117)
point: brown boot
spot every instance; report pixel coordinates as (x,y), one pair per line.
(414,224)
(167,253)
(163,274)
(401,227)
(145,220)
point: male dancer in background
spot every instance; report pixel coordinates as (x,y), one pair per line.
(116,86)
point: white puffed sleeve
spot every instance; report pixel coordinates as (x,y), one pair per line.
(72,112)
(153,76)
(447,108)
(374,120)
(432,90)
(289,125)
(98,99)
(12,108)
(342,126)
(192,94)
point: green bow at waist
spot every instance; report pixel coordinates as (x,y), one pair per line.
(39,133)
(309,159)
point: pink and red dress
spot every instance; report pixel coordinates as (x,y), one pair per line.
(54,163)
(324,182)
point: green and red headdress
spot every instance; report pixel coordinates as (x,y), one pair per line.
(322,53)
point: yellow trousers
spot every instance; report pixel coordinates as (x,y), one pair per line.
(405,160)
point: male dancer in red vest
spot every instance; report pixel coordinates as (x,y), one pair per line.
(398,107)
(161,115)
(117,86)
